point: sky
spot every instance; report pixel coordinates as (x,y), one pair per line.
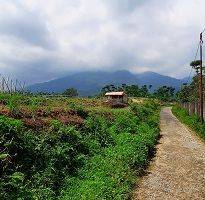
(43,40)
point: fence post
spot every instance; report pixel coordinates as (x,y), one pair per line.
(198,108)
(192,108)
(195,108)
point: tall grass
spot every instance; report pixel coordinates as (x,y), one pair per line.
(193,121)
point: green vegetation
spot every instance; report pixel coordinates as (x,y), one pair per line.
(131,90)
(193,121)
(189,92)
(163,93)
(70,92)
(86,151)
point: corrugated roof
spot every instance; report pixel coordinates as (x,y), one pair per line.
(114,94)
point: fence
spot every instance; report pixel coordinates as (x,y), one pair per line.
(192,107)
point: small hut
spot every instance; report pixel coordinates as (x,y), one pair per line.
(116,97)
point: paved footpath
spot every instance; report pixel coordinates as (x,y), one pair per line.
(178,170)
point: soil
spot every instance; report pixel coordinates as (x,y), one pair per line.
(178,170)
(41,118)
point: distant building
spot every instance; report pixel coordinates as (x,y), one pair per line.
(116,97)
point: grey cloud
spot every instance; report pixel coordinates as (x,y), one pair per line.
(155,35)
(29,27)
(121,7)
(33,71)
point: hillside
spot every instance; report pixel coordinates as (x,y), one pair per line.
(90,83)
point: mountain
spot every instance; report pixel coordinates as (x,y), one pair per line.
(157,80)
(90,83)
(187,79)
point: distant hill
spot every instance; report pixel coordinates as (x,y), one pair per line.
(90,83)
(187,79)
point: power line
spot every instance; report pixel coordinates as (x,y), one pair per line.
(201,79)
(197,51)
(189,75)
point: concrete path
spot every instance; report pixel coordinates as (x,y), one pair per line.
(178,170)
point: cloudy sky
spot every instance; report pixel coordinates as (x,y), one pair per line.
(42,40)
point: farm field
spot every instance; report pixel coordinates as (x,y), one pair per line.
(61,148)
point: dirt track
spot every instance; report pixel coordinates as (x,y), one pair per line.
(178,170)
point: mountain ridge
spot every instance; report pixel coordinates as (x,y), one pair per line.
(90,82)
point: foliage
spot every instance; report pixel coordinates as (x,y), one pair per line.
(33,105)
(131,90)
(189,93)
(110,173)
(78,109)
(70,92)
(195,63)
(40,161)
(165,93)
(14,103)
(192,121)
(98,160)
(136,91)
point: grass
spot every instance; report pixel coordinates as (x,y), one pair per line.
(100,159)
(193,121)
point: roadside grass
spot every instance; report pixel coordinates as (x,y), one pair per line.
(101,159)
(112,172)
(193,121)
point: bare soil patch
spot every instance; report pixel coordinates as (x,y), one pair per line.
(42,118)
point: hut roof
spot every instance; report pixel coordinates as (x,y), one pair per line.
(115,94)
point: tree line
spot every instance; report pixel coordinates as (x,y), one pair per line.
(164,93)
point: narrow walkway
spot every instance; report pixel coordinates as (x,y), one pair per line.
(178,170)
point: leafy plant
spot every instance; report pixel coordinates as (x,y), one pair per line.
(33,105)
(14,104)
(98,160)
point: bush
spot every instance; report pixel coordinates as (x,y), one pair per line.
(97,161)
(111,173)
(34,165)
(78,109)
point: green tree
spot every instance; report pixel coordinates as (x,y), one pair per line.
(144,91)
(195,63)
(132,90)
(165,93)
(71,92)
(189,93)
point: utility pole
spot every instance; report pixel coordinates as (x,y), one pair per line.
(201,82)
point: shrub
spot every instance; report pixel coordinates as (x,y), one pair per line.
(34,165)
(97,161)
(111,172)
(14,104)
(96,133)
(79,109)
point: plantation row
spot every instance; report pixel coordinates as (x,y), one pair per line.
(98,159)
